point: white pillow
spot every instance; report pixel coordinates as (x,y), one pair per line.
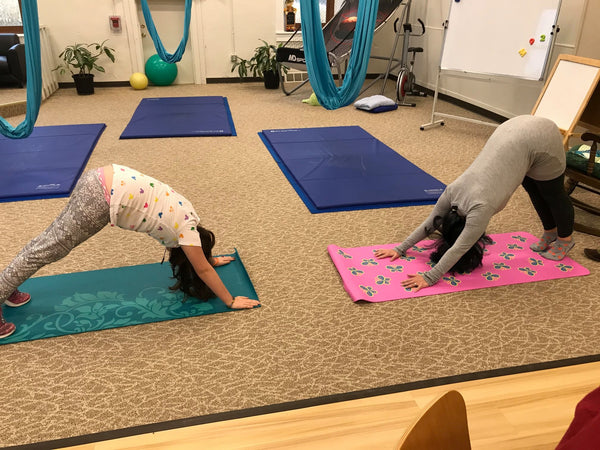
(374,101)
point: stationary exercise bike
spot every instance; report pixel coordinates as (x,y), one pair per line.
(405,84)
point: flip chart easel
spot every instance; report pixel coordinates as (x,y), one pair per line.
(511,38)
(571,95)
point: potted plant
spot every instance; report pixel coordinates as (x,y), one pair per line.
(263,64)
(80,60)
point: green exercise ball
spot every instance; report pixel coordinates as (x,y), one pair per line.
(159,72)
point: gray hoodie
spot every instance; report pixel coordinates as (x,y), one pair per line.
(522,146)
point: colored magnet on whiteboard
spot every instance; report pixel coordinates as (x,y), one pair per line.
(543,38)
(531,41)
(522,52)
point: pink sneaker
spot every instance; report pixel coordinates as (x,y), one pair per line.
(17,298)
(6,328)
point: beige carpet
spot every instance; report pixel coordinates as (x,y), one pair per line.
(12,101)
(308,339)
(10,94)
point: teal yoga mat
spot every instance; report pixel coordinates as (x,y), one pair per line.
(111,298)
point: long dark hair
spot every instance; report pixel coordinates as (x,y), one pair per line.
(450,226)
(188,280)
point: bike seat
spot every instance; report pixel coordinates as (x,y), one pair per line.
(415,49)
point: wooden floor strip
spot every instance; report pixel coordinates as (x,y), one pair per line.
(523,411)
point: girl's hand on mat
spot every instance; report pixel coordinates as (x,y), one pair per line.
(387,253)
(243,303)
(222,260)
(415,283)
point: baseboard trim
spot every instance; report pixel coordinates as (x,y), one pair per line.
(99,84)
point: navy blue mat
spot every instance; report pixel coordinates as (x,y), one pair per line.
(346,168)
(180,117)
(47,163)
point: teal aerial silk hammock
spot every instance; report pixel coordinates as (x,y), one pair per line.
(31,30)
(160,49)
(319,69)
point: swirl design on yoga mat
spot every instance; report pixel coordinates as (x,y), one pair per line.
(76,303)
(92,311)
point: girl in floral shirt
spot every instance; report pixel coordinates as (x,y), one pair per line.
(133,201)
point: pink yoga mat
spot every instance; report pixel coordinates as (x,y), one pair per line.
(507,261)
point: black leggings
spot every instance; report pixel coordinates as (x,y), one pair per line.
(552,204)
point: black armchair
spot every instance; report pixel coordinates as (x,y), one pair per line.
(12,60)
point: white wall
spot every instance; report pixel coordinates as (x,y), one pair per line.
(589,39)
(81,21)
(228,27)
(235,27)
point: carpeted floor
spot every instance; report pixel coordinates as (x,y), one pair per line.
(10,94)
(308,339)
(12,101)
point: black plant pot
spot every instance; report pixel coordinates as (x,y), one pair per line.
(271,79)
(84,83)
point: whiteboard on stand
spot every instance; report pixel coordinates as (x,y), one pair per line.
(507,37)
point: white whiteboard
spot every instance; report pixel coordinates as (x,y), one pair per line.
(485,37)
(566,92)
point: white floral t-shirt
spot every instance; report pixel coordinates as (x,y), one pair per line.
(141,203)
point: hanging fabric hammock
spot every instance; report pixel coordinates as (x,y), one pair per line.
(31,30)
(160,49)
(317,64)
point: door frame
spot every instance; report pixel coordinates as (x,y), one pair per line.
(195,39)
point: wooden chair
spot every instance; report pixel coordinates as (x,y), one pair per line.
(442,426)
(584,173)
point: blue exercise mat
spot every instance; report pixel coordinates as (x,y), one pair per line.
(112,298)
(47,163)
(180,117)
(346,168)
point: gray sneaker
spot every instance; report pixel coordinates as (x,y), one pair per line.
(543,244)
(558,250)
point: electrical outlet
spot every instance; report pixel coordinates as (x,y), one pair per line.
(233,58)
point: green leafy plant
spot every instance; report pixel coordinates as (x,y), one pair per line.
(81,58)
(264,60)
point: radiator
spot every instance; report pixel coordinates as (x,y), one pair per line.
(49,79)
(295,76)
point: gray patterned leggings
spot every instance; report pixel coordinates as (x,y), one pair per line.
(86,214)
